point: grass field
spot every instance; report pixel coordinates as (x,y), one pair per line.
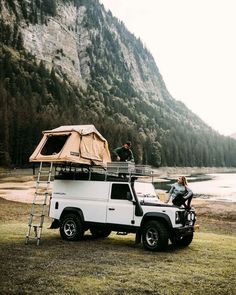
(111,266)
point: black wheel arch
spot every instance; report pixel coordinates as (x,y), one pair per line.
(74,210)
(163,218)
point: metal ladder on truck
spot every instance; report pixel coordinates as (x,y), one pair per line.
(38,209)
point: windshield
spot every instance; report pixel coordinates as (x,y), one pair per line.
(145,189)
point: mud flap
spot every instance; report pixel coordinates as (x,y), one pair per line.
(138,237)
(55,224)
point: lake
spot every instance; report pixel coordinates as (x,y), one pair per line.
(217,187)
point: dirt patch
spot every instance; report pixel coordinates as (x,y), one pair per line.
(18,188)
(17,179)
(215,209)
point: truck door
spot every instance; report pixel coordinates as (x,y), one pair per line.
(120,208)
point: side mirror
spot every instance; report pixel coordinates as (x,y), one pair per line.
(129,196)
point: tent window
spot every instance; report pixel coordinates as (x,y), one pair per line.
(54,145)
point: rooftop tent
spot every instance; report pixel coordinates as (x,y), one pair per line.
(81,144)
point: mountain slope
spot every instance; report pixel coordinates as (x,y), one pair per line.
(233,135)
(71,62)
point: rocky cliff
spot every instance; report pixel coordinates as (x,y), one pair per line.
(63,41)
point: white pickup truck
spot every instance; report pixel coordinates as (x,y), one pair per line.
(91,201)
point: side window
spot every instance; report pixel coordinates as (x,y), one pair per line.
(120,191)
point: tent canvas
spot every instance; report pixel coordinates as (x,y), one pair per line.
(81,144)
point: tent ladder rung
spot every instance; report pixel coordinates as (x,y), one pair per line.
(36,230)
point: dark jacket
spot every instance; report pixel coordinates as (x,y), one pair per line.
(124,154)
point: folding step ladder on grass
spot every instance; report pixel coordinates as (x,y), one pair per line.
(42,192)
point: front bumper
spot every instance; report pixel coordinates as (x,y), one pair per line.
(183,231)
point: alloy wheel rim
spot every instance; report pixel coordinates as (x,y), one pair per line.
(70,228)
(152,237)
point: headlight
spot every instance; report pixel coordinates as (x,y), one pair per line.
(191,216)
(178,217)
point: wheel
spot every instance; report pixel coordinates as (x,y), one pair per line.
(100,233)
(182,241)
(155,236)
(71,228)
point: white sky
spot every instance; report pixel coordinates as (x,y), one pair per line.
(194,45)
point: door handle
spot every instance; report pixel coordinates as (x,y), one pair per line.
(111,209)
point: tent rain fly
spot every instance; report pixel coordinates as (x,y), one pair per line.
(80,144)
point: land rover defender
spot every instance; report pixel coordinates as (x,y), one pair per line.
(104,201)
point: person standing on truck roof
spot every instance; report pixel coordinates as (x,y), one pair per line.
(180,193)
(124,153)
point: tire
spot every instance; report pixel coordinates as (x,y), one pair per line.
(182,241)
(100,233)
(155,236)
(71,228)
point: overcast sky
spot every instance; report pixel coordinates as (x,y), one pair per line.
(194,45)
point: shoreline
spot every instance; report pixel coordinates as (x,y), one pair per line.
(21,188)
(170,172)
(161,172)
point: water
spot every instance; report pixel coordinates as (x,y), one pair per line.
(218,186)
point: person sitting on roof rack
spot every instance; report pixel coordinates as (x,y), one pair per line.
(124,153)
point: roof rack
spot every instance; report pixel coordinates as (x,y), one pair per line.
(120,170)
(129,168)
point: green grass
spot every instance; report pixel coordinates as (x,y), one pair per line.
(111,266)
